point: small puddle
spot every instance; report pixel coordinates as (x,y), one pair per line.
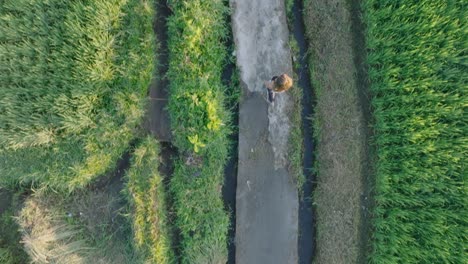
(306,243)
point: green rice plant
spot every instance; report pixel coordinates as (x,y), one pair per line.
(417,57)
(73,83)
(147,197)
(200,125)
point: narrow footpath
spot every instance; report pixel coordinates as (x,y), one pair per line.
(267,198)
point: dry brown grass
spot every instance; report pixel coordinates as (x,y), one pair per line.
(83,228)
(340,131)
(46,237)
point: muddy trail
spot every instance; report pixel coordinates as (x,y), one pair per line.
(306,243)
(157,121)
(267,196)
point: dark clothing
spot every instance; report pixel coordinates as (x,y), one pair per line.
(271,95)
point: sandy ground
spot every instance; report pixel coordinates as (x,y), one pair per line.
(266,199)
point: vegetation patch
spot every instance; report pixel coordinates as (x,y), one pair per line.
(11,251)
(417,58)
(73,83)
(200,124)
(296,140)
(87,227)
(147,197)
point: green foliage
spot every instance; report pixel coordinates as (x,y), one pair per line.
(197,54)
(199,121)
(289,4)
(147,197)
(296,141)
(11,250)
(73,79)
(417,58)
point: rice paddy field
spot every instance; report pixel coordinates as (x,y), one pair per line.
(73,82)
(83,181)
(418,73)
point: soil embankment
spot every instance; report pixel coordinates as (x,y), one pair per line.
(341,116)
(267,197)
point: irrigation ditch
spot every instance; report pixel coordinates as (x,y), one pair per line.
(157,122)
(306,238)
(230,171)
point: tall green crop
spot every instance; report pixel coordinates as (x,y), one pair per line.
(417,57)
(73,79)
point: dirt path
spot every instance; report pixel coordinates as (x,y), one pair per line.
(157,119)
(267,199)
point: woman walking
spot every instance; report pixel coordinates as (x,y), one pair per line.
(278,84)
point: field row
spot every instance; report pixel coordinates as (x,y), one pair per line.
(416,53)
(73,82)
(91,63)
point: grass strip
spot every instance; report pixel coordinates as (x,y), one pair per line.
(73,83)
(147,197)
(199,119)
(296,141)
(417,58)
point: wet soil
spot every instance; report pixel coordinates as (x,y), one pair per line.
(114,180)
(158,115)
(266,197)
(157,120)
